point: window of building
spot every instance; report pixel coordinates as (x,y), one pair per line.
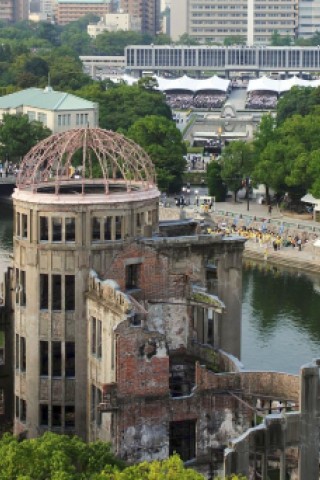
(44,291)
(2,347)
(108,228)
(56,229)
(96,399)
(95,233)
(70,228)
(69,416)
(17,407)
(24,225)
(44,229)
(18,226)
(42,117)
(70,359)
(132,273)
(44,358)
(93,335)
(56,359)
(31,115)
(56,292)
(23,358)
(43,414)
(23,410)
(182,439)
(17,351)
(69,292)
(23,293)
(56,416)
(17,285)
(118,228)
(99,339)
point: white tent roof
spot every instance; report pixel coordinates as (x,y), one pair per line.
(308,198)
(279,86)
(192,84)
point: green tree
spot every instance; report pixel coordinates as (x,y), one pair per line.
(186,39)
(237,162)
(263,136)
(278,40)
(162,140)
(18,135)
(299,101)
(122,105)
(170,469)
(217,187)
(234,40)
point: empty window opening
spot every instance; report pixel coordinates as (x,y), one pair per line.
(132,275)
(24,225)
(108,228)
(56,292)
(44,414)
(70,359)
(23,358)
(182,376)
(17,407)
(23,293)
(118,228)
(93,336)
(95,233)
(56,416)
(44,355)
(70,229)
(44,291)
(23,410)
(69,416)
(182,439)
(69,292)
(18,226)
(56,229)
(44,229)
(17,351)
(56,359)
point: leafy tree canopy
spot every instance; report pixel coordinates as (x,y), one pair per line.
(237,164)
(217,187)
(278,40)
(18,135)
(61,457)
(122,105)
(160,138)
(298,100)
(234,40)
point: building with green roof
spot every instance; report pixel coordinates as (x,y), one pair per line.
(58,111)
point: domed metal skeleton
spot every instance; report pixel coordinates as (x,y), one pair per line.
(106,158)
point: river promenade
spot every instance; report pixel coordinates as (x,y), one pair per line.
(284,224)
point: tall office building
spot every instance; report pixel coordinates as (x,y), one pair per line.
(214,20)
(147,10)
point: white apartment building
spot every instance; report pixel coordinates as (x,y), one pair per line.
(309,18)
(214,20)
(113,22)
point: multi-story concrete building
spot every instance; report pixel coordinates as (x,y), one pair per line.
(14,10)
(114,22)
(214,20)
(309,18)
(58,111)
(147,10)
(70,10)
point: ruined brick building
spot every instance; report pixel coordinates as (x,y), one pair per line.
(126,329)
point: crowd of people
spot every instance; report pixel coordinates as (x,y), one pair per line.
(273,238)
(186,101)
(261,100)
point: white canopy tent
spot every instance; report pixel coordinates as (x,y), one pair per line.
(279,86)
(193,85)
